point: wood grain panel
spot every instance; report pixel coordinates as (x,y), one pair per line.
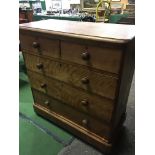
(105,31)
(98,83)
(96,106)
(52,87)
(73,115)
(128,67)
(89,137)
(101,58)
(93,105)
(48,47)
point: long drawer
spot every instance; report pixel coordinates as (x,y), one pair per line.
(85,78)
(91,104)
(106,59)
(40,45)
(85,121)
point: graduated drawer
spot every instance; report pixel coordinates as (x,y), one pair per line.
(40,45)
(91,104)
(75,75)
(85,121)
(106,59)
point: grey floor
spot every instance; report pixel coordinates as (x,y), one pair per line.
(126,142)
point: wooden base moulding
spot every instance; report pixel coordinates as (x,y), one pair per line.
(89,137)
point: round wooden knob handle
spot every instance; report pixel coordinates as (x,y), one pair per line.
(46,102)
(85,80)
(39,66)
(84,102)
(85,122)
(43,85)
(35,45)
(85,56)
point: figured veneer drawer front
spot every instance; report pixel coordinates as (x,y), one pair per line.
(93,105)
(82,77)
(40,45)
(106,59)
(85,121)
(45,85)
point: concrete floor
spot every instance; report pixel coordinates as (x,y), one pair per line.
(126,142)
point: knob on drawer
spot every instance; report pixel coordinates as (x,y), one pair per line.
(85,80)
(84,102)
(35,45)
(85,122)
(43,85)
(46,102)
(39,66)
(85,56)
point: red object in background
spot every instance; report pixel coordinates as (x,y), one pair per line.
(21,20)
(25,16)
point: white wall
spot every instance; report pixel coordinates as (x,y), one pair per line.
(65,3)
(48,4)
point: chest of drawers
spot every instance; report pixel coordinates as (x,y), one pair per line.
(80,75)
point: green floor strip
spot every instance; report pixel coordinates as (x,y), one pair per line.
(35,142)
(59,136)
(25,107)
(45,130)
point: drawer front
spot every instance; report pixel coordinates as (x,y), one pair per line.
(106,59)
(93,105)
(40,45)
(82,77)
(45,85)
(85,121)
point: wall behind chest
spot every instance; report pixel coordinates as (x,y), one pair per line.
(65,4)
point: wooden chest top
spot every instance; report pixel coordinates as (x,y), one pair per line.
(118,33)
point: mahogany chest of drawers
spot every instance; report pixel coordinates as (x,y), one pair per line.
(80,75)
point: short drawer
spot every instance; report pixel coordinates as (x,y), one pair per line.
(106,59)
(85,121)
(91,104)
(82,77)
(40,45)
